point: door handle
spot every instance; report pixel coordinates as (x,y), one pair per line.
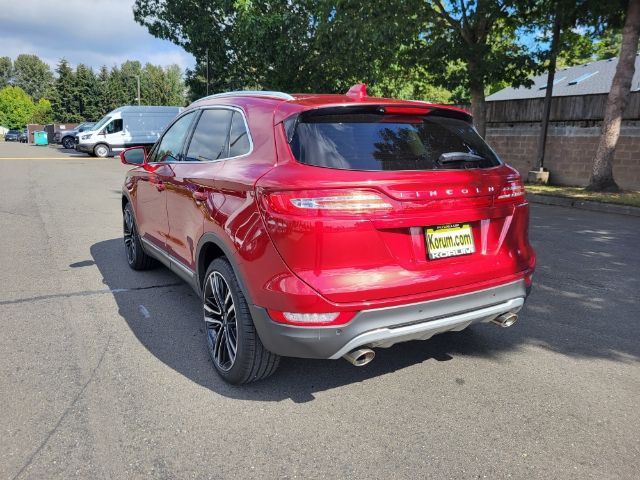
(159,184)
(200,195)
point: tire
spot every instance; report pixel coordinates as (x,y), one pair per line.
(101,150)
(136,256)
(227,318)
(68,143)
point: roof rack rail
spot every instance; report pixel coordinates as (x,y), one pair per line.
(252,93)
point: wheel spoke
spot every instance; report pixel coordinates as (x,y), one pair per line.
(217,347)
(209,309)
(212,321)
(214,297)
(217,287)
(220,319)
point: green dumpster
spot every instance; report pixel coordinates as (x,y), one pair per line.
(40,138)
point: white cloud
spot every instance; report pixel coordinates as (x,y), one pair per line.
(100,32)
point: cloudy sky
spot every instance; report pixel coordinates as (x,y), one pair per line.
(93,32)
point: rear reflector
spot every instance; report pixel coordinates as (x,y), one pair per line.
(307,202)
(311,319)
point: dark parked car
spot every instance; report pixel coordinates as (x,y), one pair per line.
(12,136)
(24,136)
(324,226)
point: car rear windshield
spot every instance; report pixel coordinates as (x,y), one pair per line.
(379,142)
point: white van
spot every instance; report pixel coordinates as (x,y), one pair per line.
(125,127)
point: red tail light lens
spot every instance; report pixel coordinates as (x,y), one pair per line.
(312,202)
(513,190)
(312,319)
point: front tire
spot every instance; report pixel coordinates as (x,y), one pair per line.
(68,143)
(101,150)
(136,256)
(232,341)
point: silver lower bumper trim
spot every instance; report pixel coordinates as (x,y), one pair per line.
(388,336)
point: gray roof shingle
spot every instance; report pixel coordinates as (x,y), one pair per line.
(596,78)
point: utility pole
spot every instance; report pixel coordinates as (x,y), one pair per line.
(207,71)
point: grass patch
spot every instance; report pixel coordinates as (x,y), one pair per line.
(578,193)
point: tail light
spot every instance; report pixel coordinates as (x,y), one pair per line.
(513,190)
(313,202)
(311,319)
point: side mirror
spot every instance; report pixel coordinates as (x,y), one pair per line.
(134,156)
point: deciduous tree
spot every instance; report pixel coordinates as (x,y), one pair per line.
(32,75)
(481,35)
(602,168)
(16,107)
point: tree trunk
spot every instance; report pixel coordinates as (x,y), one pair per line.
(602,169)
(478,105)
(546,110)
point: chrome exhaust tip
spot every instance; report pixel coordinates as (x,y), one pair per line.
(506,319)
(360,357)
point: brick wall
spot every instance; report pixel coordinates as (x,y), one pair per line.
(570,150)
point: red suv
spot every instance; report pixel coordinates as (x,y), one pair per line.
(323,226)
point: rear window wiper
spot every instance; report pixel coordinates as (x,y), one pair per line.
(452,157)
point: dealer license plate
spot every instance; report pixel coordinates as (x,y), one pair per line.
(449,240)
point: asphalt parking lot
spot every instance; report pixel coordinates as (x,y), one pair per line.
(105,374)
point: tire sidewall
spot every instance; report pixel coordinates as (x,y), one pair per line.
(236,373)
(136,261)
(97,148)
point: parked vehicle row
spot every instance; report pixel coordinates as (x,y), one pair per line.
(324,226)
(12,136)
(125,127)
(67,138)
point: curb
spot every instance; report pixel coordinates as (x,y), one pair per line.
(584,204)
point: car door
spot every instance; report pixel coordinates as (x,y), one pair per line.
(189,195)
(151,197)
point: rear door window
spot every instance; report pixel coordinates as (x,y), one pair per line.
(381,142)
(210,140)
(238,137)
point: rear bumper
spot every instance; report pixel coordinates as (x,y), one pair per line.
(385,327)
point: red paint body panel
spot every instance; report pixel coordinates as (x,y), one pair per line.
(331,262)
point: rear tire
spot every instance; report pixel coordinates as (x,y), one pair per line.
(136,256)
(232,341)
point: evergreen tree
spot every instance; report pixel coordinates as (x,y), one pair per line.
(117,94)
(64,104)
(160,86)
(87,93)
(103,92)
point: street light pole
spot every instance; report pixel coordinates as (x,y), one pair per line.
(138,79)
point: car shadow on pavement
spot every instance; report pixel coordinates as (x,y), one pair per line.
(165,316)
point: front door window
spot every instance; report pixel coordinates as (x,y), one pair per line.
(170,147)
